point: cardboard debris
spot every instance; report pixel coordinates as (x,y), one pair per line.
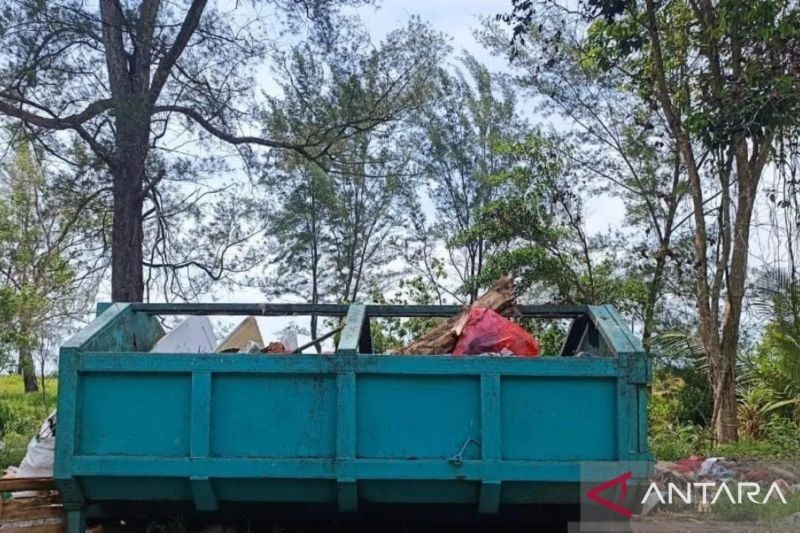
(246,332)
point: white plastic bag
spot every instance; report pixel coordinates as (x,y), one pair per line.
(289,341)
(38,461)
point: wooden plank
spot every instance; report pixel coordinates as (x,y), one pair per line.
(58,527)
(14,484)
(19,509)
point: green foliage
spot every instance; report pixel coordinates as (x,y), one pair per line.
(673,442)
(48,255)
(550,334)
(670,442)
(680,396)
(754,40)
(10,335)
(780,440)
(336,220)
(464,130)
(535,226)
(21,415)
(393,333)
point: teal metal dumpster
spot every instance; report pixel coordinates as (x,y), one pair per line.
(349,429)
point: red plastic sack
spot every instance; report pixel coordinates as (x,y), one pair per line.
(488,332)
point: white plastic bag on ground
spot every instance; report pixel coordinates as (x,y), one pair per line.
(38,461)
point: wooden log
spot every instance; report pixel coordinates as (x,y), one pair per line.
(442,339)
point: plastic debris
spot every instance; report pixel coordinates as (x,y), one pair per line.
(696,469)
(38,460)
(250,347)
(442,339)
(688,465)
(487,332)
(289,340)
(653,499)
(193,335)
(711,468)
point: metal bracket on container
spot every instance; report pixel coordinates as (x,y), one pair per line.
(458,458)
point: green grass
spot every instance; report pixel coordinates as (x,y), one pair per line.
(748,511)
(672,442)
(21,415)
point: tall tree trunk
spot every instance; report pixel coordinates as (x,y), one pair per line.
(127,274)
(129,79)
(723,387)
(127,234)
(28,369)
(720,348)
(26,366)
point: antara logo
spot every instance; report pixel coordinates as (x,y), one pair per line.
(705,493)
(689,493)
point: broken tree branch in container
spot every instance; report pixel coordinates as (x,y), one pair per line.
(500,297)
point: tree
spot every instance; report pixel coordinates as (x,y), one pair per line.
(131,78)
(334,225)
(49,260)
(537,229)
(615,145)
(472,114)
(724,76)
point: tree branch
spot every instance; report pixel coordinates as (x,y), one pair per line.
(188,28)
(229,137)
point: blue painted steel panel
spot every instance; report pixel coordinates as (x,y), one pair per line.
(134,414)
(393,412)
(567,419)
(285,415)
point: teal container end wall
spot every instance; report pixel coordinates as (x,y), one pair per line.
(343,429)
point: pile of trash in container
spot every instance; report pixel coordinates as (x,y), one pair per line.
(479,329)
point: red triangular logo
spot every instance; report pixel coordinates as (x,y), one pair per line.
(622,480)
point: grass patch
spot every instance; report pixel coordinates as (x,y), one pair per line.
(670,443)
(749,511)
(21,415)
